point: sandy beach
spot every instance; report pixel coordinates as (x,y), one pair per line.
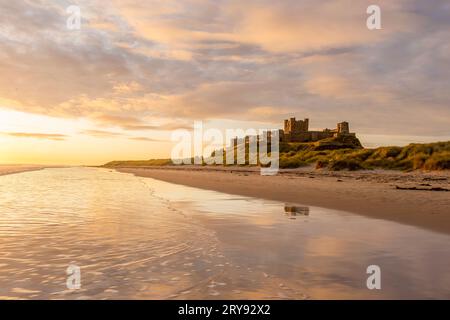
(10,169)
(140,238)
(377,194)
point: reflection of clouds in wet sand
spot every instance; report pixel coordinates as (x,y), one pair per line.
(325,246)
(146,239)
(326,255)
(118,240)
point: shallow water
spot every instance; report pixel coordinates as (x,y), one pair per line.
(140,238)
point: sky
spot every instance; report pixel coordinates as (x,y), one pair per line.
(116,88)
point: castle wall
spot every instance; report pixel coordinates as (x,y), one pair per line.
(298,131)
(307,136)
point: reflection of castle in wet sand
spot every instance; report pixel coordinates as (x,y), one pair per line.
(293,211)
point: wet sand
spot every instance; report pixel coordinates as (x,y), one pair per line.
(10,169)
(376,194)
(142,238)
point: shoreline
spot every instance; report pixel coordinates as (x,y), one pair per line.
(14,169)
(373,194)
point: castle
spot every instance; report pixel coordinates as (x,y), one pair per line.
(298,131)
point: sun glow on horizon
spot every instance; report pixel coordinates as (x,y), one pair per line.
(35,139)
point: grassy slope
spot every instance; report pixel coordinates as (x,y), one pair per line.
(138,163)
(347,154)
(432,156)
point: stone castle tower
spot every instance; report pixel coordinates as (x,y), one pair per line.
(296,126)
(343,127)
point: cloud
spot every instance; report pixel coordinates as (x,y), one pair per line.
(47,136)
(135,124)
(158,65)
(111,134)
(146,139)
(101,133)
(163,127)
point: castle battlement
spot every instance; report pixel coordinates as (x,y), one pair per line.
(298,131)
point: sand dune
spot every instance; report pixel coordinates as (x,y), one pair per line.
(370,193)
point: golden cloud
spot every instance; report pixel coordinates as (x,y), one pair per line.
(47,136)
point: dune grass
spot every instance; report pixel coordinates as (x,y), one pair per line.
(138,163)
(431,156)
(341,154)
